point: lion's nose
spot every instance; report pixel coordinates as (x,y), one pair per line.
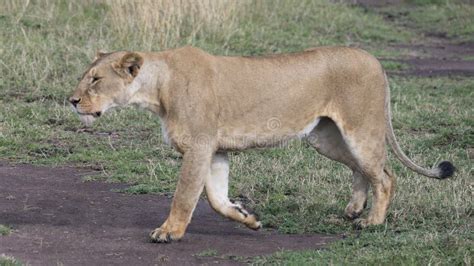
(74,101)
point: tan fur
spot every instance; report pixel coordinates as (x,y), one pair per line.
(336,98)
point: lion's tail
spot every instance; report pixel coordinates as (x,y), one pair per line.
(445,169)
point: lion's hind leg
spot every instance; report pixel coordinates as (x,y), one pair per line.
(217,187)
(371,163)
(383,188)
(326,138)
(358,202)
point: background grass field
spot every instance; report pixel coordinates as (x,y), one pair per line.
(45,46)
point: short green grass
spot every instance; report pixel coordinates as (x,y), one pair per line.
(390,65)
(44,50)
(208,253)
(8,261)
(448,19)
(4,230)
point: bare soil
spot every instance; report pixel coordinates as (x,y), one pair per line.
(58,218)
(438,57)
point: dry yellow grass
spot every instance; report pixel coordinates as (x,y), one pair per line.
(149,24)
(167,23)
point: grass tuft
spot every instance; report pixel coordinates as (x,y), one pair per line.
(8,261)
(208,253)
(4,230)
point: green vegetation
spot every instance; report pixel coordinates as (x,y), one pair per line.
(439,20)
(4,230)
(8,261)
(208,253)
(390,65)
(453,19)
(46,45)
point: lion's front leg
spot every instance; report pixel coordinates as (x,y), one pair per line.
(195,168)
(217,187)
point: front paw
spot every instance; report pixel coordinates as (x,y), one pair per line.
(360,224)
(162,235)
(252,222)
(250,219)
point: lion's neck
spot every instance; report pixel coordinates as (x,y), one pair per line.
(145,89)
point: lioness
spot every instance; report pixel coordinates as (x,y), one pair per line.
(336,98)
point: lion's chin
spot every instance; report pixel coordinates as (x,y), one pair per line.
(87,120)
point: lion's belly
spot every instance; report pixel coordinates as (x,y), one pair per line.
(273,133)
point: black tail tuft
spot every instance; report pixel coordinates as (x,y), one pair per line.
(446,169)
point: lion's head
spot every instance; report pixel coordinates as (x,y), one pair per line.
(105,84)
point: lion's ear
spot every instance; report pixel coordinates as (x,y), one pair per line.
(99,54)
(130,64)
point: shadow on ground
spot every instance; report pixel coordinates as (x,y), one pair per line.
(59,219)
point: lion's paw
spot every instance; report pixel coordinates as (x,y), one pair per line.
(364,223)
(252,222)
(353,210)
(250,219)
(361,224)
(160,235)
(351,214)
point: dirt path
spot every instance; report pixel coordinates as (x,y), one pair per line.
(439,57)
(57,218)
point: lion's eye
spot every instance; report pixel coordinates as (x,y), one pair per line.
(95,79)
